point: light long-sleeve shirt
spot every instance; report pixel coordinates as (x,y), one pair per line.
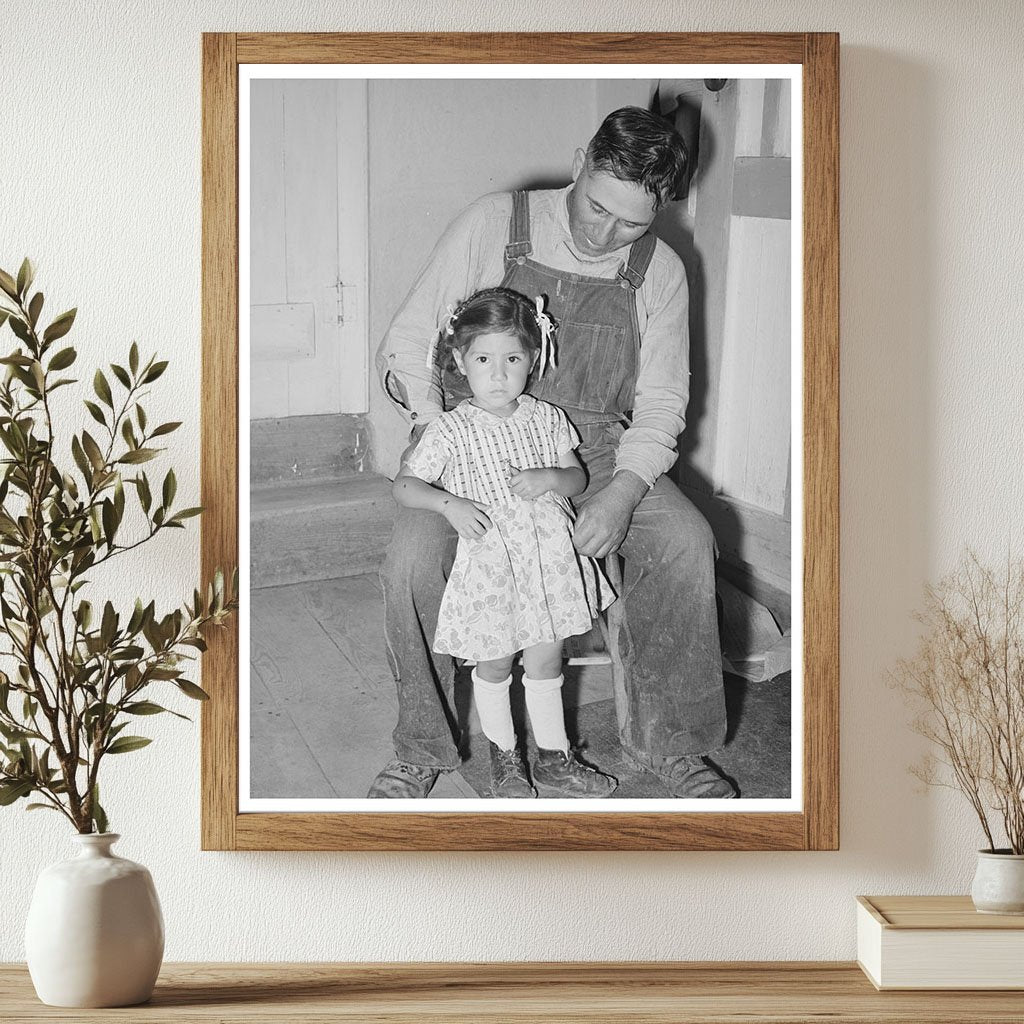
(470,256)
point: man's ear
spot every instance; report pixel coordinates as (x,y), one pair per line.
(578,161)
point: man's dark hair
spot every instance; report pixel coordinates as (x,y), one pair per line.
(635,145)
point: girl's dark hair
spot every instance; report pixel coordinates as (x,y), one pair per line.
(494,311)
(643,148)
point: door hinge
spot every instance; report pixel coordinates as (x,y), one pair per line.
(347,302)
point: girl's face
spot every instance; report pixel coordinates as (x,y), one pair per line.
(496,367)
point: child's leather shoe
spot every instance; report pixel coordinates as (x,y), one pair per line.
(557,773)
(508,775)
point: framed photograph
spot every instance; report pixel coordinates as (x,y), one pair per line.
(507,337)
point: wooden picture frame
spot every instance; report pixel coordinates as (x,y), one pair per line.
(816,825)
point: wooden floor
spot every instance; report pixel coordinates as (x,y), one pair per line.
(523,993)
(323,705)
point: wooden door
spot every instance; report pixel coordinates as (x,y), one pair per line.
(308,240)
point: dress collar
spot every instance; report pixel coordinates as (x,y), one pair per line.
(525,409)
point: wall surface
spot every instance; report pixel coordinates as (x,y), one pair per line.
(101,183)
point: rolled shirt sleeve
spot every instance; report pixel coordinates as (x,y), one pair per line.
(459,261)
(649,447)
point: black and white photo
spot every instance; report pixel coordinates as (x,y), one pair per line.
(623,248)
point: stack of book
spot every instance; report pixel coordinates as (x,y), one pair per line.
(938,942)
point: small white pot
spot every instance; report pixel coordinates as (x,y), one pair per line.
(999,882)
(95,933)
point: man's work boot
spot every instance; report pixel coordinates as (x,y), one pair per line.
(687,776)
(400,781)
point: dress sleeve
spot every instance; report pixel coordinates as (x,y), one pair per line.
(429,458)
(564,433)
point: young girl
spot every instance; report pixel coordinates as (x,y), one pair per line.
(506,467)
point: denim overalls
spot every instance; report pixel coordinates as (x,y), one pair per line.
(597,341)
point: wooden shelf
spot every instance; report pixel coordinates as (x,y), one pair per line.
(648,993)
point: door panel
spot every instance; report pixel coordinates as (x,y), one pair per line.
(308,245)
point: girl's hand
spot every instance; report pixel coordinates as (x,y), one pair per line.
(531,483)
(467,517)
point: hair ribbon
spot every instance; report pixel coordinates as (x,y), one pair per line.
(547,329)
(446,328)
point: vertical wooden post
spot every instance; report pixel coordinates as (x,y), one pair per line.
(219,429)
(821,440)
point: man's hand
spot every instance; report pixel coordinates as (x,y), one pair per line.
(602,524)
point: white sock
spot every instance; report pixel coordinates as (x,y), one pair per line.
(495,711)
(547,718)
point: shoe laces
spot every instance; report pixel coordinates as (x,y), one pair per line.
(509,763)
(582,765)
(572,762)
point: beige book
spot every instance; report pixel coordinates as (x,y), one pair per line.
(938,942)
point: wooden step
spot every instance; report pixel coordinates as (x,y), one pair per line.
(319,531)
(306,449)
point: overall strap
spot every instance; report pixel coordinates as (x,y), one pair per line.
(519,246)
(632,273)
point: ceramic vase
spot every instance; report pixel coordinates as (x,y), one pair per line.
(95,933)
(999,882)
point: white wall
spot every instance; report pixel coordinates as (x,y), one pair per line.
(100,183)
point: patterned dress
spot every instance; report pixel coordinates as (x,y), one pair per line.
(522,583)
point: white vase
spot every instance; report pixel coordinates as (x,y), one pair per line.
(95,934)
(999,882)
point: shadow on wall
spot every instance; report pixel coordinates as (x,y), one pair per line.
(889,266)
(542,182)
(676,229)
(677,232)
(888,186)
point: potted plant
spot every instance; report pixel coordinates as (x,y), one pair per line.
(967,680)
(77,671)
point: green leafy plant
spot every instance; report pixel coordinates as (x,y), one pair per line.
(77,674)
(967,682)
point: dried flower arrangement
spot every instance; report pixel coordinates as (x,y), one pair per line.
(967,680)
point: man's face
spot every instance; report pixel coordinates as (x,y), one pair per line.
(606,213)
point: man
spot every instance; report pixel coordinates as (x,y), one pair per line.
(620,300)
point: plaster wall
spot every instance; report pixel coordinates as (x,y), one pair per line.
(100,183)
